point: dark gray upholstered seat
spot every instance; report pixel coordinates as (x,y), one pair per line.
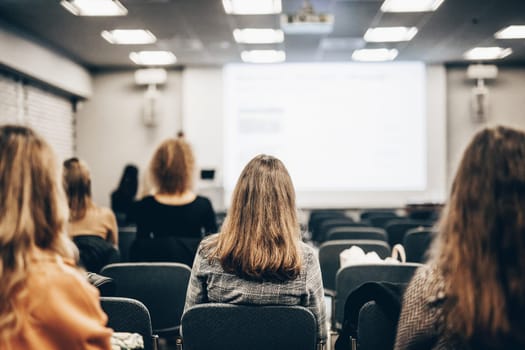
(129,315)
(160,286)
(367,233)
(229,327)
(417,242)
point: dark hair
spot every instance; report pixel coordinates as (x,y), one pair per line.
(480,248)
(129,182)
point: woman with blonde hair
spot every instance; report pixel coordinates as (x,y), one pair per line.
(472,295)
(172,221)
(258,257)
(93,229)
(46,302)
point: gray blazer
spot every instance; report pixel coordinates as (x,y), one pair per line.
(209,283)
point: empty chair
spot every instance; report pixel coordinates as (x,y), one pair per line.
(316,217)
(160,286)
(382,221)
(416,243)
(329,257)
(126,236)
(350,277)
(327,224)
(347,232)
(367,214)
(129,315)
(396,229)
(228,327)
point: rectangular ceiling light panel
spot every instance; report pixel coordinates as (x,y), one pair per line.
(410,5)
(252,7)
(153,58)
(511,32)
(258,36)
(94,7)
(487,53)
(263,56)
(390,34)
(129,36)
(374,55)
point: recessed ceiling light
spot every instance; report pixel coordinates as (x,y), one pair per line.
(153,58)
(263,56)
(258,36)
(94,7)
(410,5)
(511,32)
(374,55)
(390,34)
(252,7)
(487,53)
(129,36)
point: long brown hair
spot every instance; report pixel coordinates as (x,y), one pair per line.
(172,166)
(259,238)
(33,213)
(77,183)
(480,248)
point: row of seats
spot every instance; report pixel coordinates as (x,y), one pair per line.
(222,326)
(162,303)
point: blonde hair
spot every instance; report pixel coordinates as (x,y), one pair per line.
(259,238)
(480,248)
(33,213)
(172,167)
(77,184)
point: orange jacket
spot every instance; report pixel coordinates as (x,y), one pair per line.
(60,309)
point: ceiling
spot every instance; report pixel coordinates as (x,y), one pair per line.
(200,33)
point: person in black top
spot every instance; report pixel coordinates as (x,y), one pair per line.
(123,197)
(172,221)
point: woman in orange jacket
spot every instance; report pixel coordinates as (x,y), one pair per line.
(46,303)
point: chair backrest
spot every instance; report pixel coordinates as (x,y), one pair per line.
(328,224)
(367,214)
(373,321)
(229,327)
(329,256)
(382,221)
(129,315)
(95,252)
(348,232)
(396,229)
(317,217)
(416,243)
(126,236)
(160,286)
(350,277)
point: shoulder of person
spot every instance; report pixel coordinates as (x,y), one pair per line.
(60,276)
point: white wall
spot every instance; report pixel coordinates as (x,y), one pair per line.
(507,107)
(203,123)
(30,58)
(111,132)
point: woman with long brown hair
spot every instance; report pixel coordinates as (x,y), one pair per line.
(93,229)
(258,257)
(472,295)
(173,219)
(46,303)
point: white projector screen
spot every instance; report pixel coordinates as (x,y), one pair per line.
(350,134)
